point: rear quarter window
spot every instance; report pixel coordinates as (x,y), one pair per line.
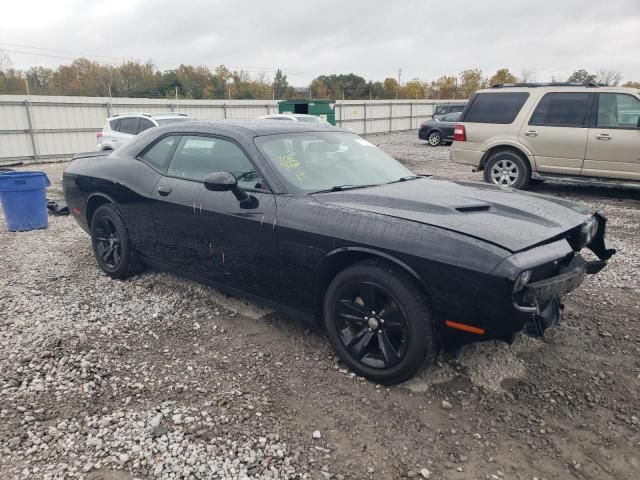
(115,125)
(158,154)
(129,125)
(495,107)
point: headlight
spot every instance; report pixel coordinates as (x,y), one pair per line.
(522,281)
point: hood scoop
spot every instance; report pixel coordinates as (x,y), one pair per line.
(473,208)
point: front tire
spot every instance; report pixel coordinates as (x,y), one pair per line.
(507,168)
(111,244)
(434,138)
(378,320)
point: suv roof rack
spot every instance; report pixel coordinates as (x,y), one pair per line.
(151,115)
(549,84)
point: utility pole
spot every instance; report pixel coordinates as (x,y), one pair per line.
(176,93)
(26,82)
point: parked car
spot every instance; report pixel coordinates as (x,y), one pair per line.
(321,224)
(120,128)
(439,131)
(567,132)
(448,108)
(297,117)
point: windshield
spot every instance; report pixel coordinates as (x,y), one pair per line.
(314,161)
(169,121)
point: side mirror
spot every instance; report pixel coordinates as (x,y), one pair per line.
(225,182)
(220,182)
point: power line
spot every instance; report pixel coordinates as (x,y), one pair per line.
(117,59)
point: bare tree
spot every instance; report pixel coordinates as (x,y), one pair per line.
(5,60)
(528,75)
(608,77)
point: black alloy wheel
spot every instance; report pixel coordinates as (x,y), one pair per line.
(108,242)
(111,245)
(371,325)
(378,320)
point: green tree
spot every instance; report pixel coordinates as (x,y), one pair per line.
(348,85)
(319,89)
(280,84)
(390,88)
(503,75)
(470,81)
(414,88)
(446,87)
(582,76)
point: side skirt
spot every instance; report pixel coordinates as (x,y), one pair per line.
(233,292)
(575,180)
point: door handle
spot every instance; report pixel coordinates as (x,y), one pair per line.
(604,136)
(164,191)
(531,133)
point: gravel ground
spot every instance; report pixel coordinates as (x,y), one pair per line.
(158,377)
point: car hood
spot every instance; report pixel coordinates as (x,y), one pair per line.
(502,216)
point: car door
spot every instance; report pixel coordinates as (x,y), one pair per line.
(613,146)
(211,234)
(556,133)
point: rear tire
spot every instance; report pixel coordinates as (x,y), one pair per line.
(111,244)
(507,168)
(379,322)
(434,138)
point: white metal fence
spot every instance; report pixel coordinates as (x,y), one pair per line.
(44,128)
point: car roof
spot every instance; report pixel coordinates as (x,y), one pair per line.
(156,116)
(255,126)
(279,115)
(558,88)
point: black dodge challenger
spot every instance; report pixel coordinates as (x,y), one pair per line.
(319,223)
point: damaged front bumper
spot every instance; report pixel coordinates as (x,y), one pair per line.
(536,296)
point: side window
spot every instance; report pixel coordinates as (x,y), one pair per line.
(129,125)
(495,107)
(196,157)
(145,124)
(158,154)
(440,110)
(562,109)
(115,125)
(618,110)
(457,108)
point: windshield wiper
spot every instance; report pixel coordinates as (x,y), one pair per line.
(342,188)
(404,179)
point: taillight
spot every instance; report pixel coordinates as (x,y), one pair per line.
(459,134)
(99,135)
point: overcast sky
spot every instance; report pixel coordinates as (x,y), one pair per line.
(305,38)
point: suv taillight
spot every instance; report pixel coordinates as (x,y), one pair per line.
(459,134)
(98,134)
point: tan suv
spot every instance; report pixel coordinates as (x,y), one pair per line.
(520,132)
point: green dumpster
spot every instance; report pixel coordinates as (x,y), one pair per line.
(321,108)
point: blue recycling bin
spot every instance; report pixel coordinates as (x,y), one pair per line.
(24,200)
